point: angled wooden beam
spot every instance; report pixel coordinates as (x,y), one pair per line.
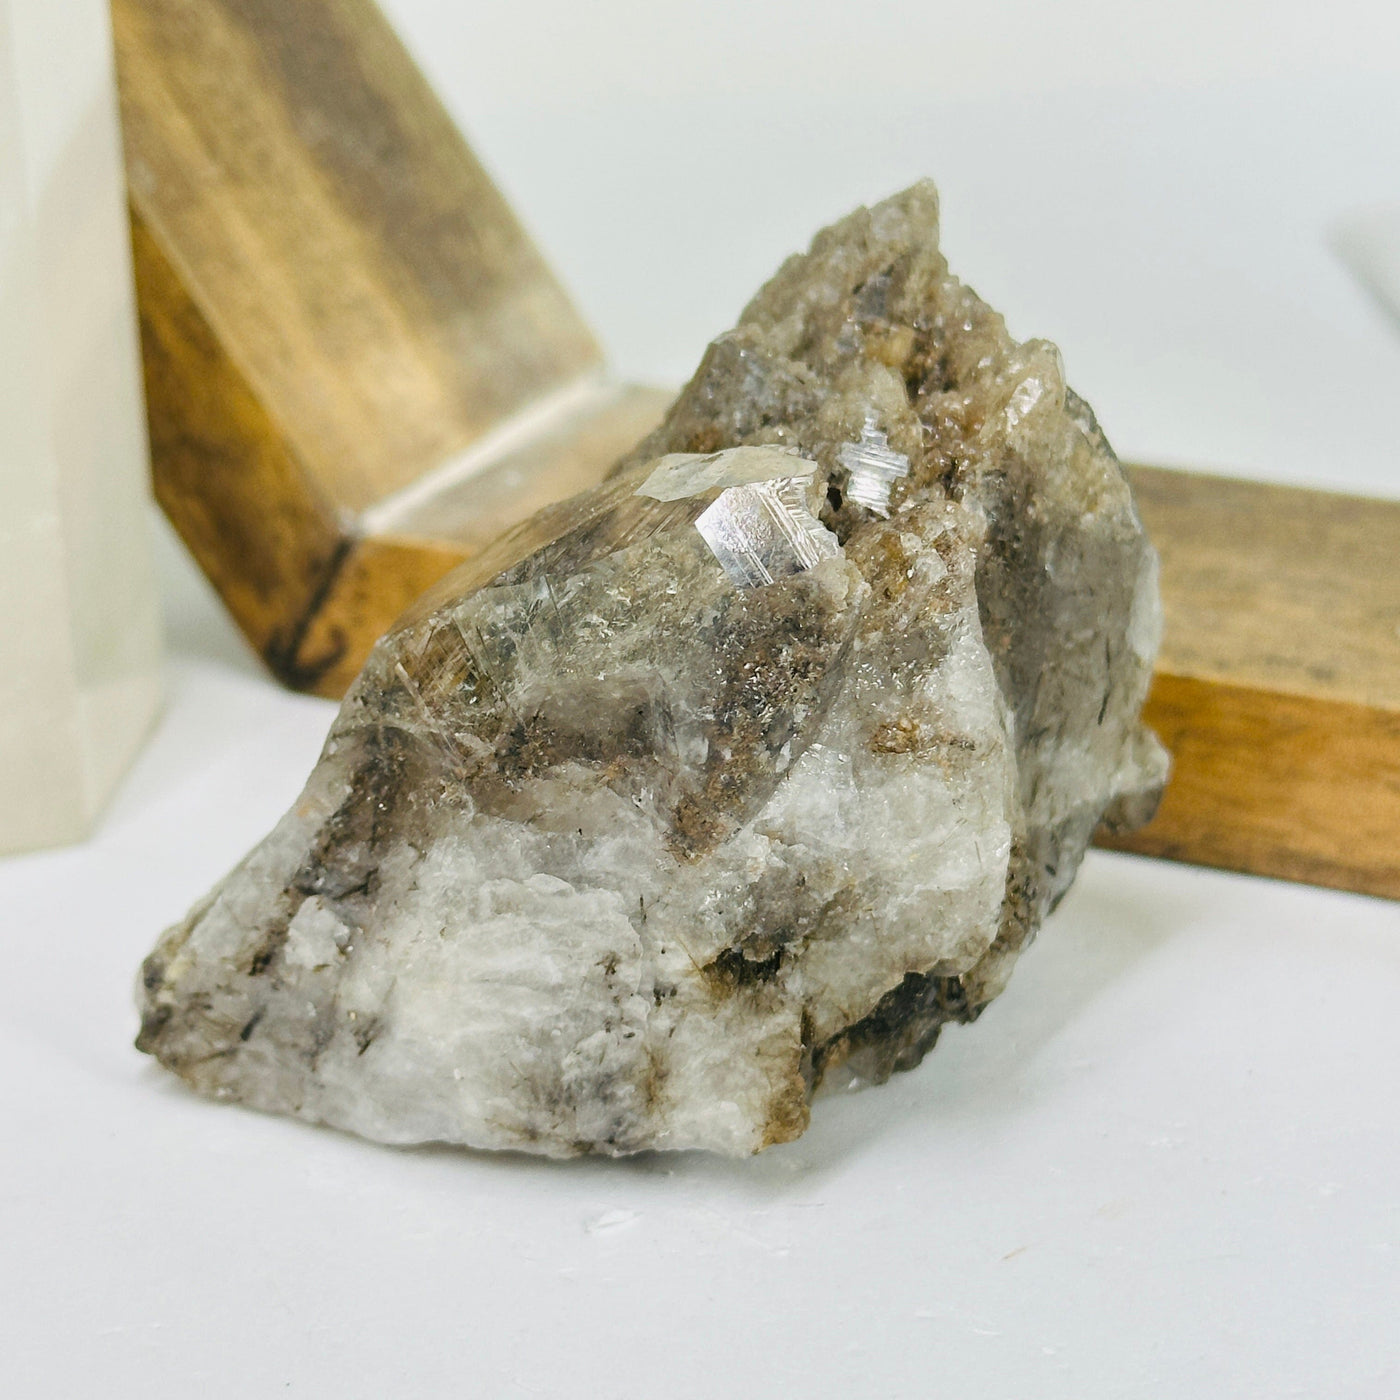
(1278,683)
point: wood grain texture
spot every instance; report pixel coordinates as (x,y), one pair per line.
(1275,587)
(1277,784)
(1278,683)
(324,213)
(225,475)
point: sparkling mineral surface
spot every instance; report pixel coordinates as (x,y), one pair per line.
(747,771)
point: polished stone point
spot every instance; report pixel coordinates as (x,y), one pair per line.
(737,777)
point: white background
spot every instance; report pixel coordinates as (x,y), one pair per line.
(1166,1163)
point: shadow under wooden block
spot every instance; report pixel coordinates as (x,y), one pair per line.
(352,350)
(1278,683)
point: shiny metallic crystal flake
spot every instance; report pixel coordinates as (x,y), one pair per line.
(765,531)
(874,467)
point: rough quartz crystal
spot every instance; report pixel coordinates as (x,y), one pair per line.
(747,771)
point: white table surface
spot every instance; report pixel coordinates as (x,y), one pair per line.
(1166,1163)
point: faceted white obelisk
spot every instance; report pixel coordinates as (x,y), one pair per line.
(79,631)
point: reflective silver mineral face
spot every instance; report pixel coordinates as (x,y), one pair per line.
(747,771)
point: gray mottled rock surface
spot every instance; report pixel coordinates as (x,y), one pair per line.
(682,802)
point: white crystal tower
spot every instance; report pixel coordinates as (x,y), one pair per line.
(79,633)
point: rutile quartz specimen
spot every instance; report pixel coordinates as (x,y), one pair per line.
(748,770)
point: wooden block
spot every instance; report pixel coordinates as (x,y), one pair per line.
(338,309)
(1278,684)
